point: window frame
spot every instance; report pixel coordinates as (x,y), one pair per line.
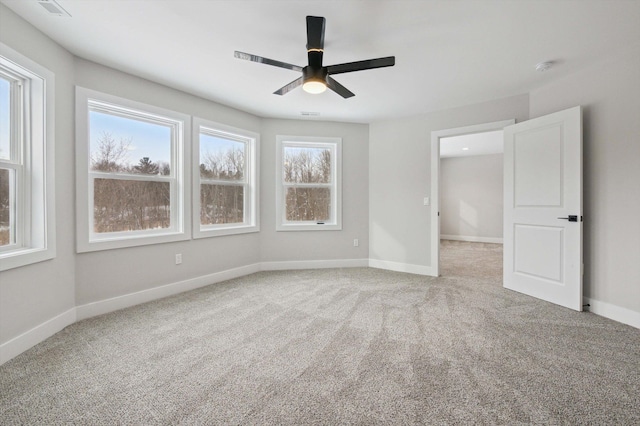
(19,180)
(87,239)
(32,159)
(335,146)
(251,140)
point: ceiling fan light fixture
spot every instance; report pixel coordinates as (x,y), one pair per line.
(314,86)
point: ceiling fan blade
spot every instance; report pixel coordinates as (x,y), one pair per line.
(339,88)
(315,33)
(289,87)
(368,64)
(255,58)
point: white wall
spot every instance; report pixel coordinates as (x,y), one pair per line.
(471,201)
(610,95)
(318,245)
(399,178)
(32,295)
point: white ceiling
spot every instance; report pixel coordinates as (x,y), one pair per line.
(448,53)
(475,143)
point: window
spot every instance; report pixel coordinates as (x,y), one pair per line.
(226,181)
(131,173)
(308,183)
(27,221)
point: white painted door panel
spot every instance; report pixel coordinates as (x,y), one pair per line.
(542,184)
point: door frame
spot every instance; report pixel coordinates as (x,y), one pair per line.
(436,135)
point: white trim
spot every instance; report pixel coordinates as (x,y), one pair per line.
(127,300)
(471,239)
(401,267)
(613,312)
(435,178)
(37,334)
(314,264)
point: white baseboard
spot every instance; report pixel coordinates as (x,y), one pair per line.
(613,312)
(120,302)
(109,305)
(401,267)
(37,334)
(314,264)
(28,339)
(471,239)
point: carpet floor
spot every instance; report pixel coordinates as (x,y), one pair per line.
(335,346)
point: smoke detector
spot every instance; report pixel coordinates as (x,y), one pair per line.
(54,8)
(544,66)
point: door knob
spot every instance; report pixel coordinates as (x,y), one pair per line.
(571,218)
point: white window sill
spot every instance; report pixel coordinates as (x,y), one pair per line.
(23,257)
(309,226)
(133,241)
(225,230)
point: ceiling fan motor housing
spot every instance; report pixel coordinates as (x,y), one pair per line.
(314,74)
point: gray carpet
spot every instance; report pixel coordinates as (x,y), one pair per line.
(337,346)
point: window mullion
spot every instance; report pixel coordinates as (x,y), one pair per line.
(222,182)
(307,185)
(127,176)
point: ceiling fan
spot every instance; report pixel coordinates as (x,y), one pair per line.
(316,77)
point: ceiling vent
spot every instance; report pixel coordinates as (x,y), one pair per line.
(54,8)
(544,66)
(309,113)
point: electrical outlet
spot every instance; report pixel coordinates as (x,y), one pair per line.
(356,243)
(178,259)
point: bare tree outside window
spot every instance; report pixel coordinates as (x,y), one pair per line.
(111,155)
(222,180)
(307,176)
(121,204)
(5,208)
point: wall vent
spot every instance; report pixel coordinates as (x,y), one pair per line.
(54,8)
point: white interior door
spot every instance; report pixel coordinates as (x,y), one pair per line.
(543,208)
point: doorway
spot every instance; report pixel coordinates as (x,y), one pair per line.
(471,219)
